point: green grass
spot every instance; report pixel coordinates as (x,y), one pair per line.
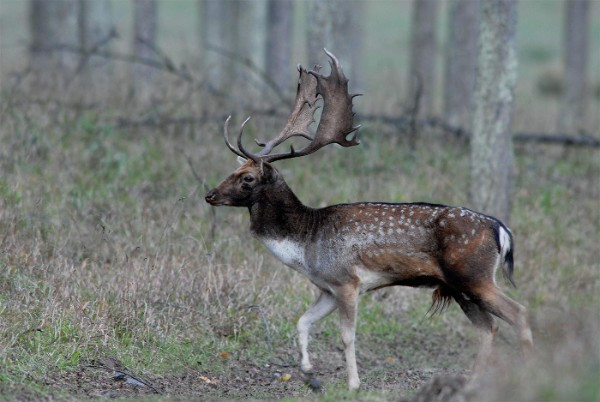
(112,255)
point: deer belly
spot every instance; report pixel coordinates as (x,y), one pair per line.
(287,251)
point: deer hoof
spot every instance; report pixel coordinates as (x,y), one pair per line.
(314,384)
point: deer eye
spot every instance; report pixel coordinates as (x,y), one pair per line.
(248,179)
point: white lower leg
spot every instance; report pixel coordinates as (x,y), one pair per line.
(525,333)
(486,339)
(324,305)
(348,310)
(348,335)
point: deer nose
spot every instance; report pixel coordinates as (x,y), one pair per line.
(211,195)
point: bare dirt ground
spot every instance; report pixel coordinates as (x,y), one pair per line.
(383,377)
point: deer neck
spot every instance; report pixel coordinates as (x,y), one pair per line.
(278,214)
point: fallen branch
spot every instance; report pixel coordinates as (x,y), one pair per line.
(561,139)
(406,122)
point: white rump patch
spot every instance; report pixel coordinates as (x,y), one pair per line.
(504,241)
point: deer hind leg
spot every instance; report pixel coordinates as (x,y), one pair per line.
(497,303)
(324,306)
(348,305)
(484,322)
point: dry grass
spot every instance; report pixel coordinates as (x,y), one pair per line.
(109,249)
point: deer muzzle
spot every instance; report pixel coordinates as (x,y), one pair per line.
(212,197)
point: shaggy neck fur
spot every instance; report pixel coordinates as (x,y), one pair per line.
(277,214)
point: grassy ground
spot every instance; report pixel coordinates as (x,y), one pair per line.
(109,253)
(109,250)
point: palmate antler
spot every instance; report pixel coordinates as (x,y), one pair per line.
(336,119)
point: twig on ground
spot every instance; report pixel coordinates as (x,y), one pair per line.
(121,373)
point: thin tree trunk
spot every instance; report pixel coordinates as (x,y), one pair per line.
(491,146)
(575,49)
(337,25)
(461,62)
(251,29)
(144,42)
(319,30)
(422,56)
(279,41)
(96,33)
(218,30)
(52,24)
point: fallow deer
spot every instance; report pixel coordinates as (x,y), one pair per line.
(349,249)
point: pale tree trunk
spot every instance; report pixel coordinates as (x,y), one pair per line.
(144,42)
(250,51)
(96,33)
(461,62)
(422,56)
(319,30)
(491,145)
(575,51)
(279,42)
(53,24)
(337,25)
(218,31)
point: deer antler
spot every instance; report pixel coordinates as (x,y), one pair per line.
(336,120)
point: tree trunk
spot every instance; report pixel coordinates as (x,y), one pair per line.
(491,146)
(575,43)
(337,25)
(279,42)
(144,42)
(250,51)
(52,24)
(461,62)
(422,56)
(319,30)
(96,33)
(218,31)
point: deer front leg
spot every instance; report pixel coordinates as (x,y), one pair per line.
(348,306)
(324,306)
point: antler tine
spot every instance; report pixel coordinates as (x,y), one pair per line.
(229,144)
(302,113)
(337,116)
(248,155)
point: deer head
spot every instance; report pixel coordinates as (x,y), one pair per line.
(245,184)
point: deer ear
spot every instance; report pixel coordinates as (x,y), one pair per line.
(241,160)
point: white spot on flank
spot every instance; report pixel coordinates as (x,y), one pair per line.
(451,216)
(472,232)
